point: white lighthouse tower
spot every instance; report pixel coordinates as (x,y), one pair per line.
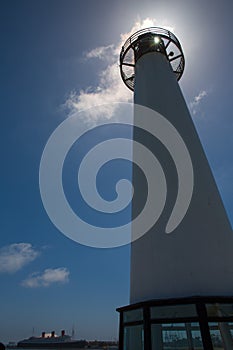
(181,284)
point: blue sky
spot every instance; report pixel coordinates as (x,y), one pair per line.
(58,56)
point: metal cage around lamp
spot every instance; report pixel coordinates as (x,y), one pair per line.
(150,39)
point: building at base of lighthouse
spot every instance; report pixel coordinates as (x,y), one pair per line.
(181,288)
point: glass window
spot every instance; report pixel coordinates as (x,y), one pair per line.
(133,338)
(219,310)
(133,315)
(176,336)
(230,324)
(221,335)
(173,311)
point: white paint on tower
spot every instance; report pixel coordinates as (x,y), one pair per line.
(196,259)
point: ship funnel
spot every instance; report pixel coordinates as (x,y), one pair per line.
(52,334)
(62,333)
(43,334)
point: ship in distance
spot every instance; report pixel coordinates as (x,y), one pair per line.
(51,340)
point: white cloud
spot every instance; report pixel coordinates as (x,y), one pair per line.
(47,277)
(199,97)
(101,52)
(196,101)
(110,87)
(15,256)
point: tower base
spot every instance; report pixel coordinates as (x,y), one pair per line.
(193,323)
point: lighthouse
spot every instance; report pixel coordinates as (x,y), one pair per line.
(181,275)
